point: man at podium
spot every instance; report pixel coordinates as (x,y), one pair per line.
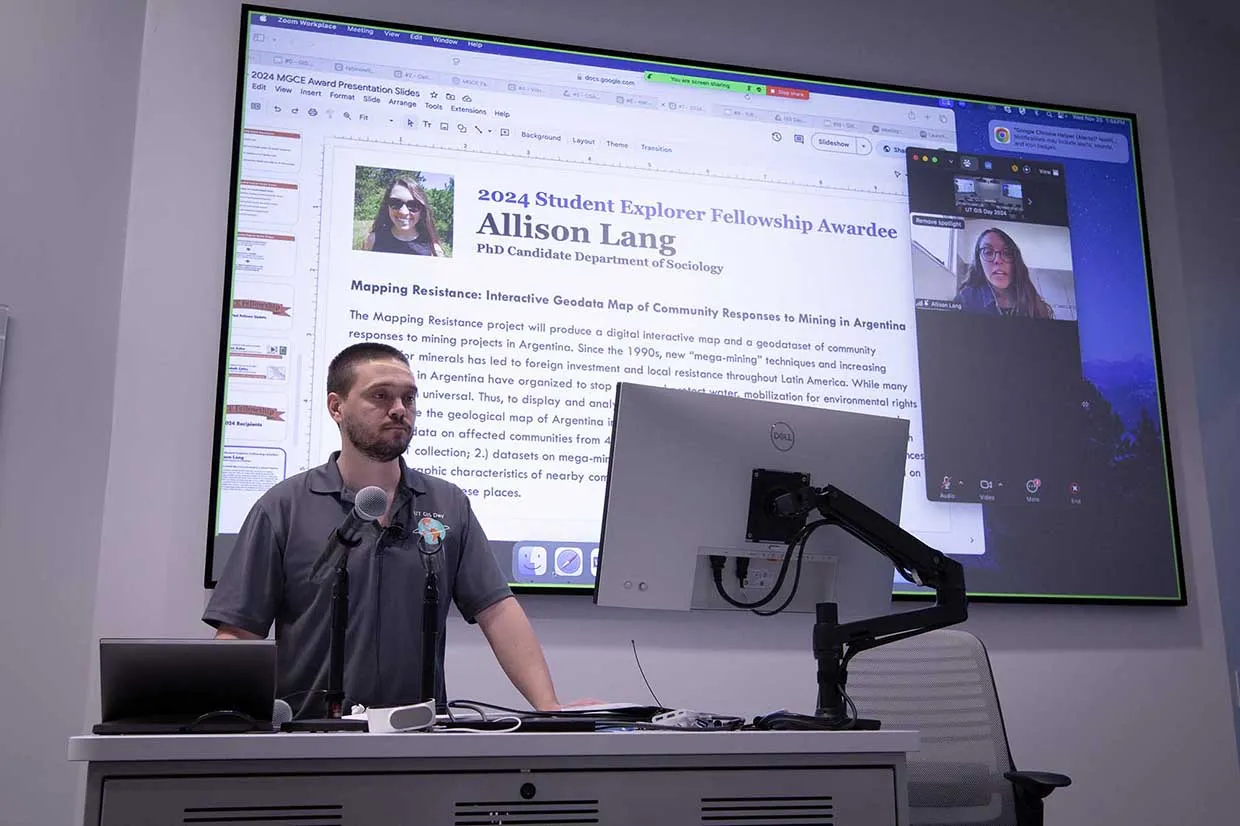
(371,394)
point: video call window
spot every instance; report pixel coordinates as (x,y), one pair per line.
(998,346)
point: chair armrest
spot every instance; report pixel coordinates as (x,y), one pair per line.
(1037,784)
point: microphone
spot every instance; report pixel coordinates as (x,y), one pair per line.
(281,713)
(370,504)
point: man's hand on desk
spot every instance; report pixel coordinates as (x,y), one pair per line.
(229,632)
(575,705)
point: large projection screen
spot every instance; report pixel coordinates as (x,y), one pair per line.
(532,223)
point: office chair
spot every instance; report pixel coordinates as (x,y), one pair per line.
(941,684)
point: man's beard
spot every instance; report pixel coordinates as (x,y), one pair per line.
(382,446)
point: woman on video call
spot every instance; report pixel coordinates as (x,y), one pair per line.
(998,282)
(404,222)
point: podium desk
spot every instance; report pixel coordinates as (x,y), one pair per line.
(652,778)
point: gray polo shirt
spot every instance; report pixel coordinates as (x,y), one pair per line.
(267,579)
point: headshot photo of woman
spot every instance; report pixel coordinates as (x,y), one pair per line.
(404,222)
(998,280)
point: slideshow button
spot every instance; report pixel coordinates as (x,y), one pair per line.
(827,142)
(845,144)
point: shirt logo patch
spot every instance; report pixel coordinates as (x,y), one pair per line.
(432,531)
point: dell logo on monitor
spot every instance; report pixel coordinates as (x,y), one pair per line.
(782,436)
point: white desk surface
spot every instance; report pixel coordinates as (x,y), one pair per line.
(324,745)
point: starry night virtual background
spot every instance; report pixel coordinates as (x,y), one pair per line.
(1121,543)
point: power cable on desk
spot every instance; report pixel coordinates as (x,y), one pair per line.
(464,704)
(463,727)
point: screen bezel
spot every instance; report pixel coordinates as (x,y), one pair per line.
(586,591)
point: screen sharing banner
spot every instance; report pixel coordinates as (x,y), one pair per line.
(531,226)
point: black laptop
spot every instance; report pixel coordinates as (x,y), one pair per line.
(154,686)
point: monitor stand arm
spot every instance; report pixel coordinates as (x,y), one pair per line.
(836,644)
(829,653)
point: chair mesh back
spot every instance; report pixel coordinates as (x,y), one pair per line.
(940,683)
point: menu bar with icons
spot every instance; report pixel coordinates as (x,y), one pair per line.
(305,33)
(504,123)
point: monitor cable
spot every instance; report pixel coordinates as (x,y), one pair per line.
(642,671)
(796,547)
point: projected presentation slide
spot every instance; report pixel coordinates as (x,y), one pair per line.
(531,225)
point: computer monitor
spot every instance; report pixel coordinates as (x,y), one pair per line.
(679,491)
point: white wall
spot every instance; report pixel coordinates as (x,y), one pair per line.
(70,71)
(1127,701)
(1201,43)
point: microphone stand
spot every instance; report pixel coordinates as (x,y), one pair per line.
(334,694)
(339,628)
(430,626)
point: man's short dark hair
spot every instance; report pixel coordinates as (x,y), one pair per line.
(342,372)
